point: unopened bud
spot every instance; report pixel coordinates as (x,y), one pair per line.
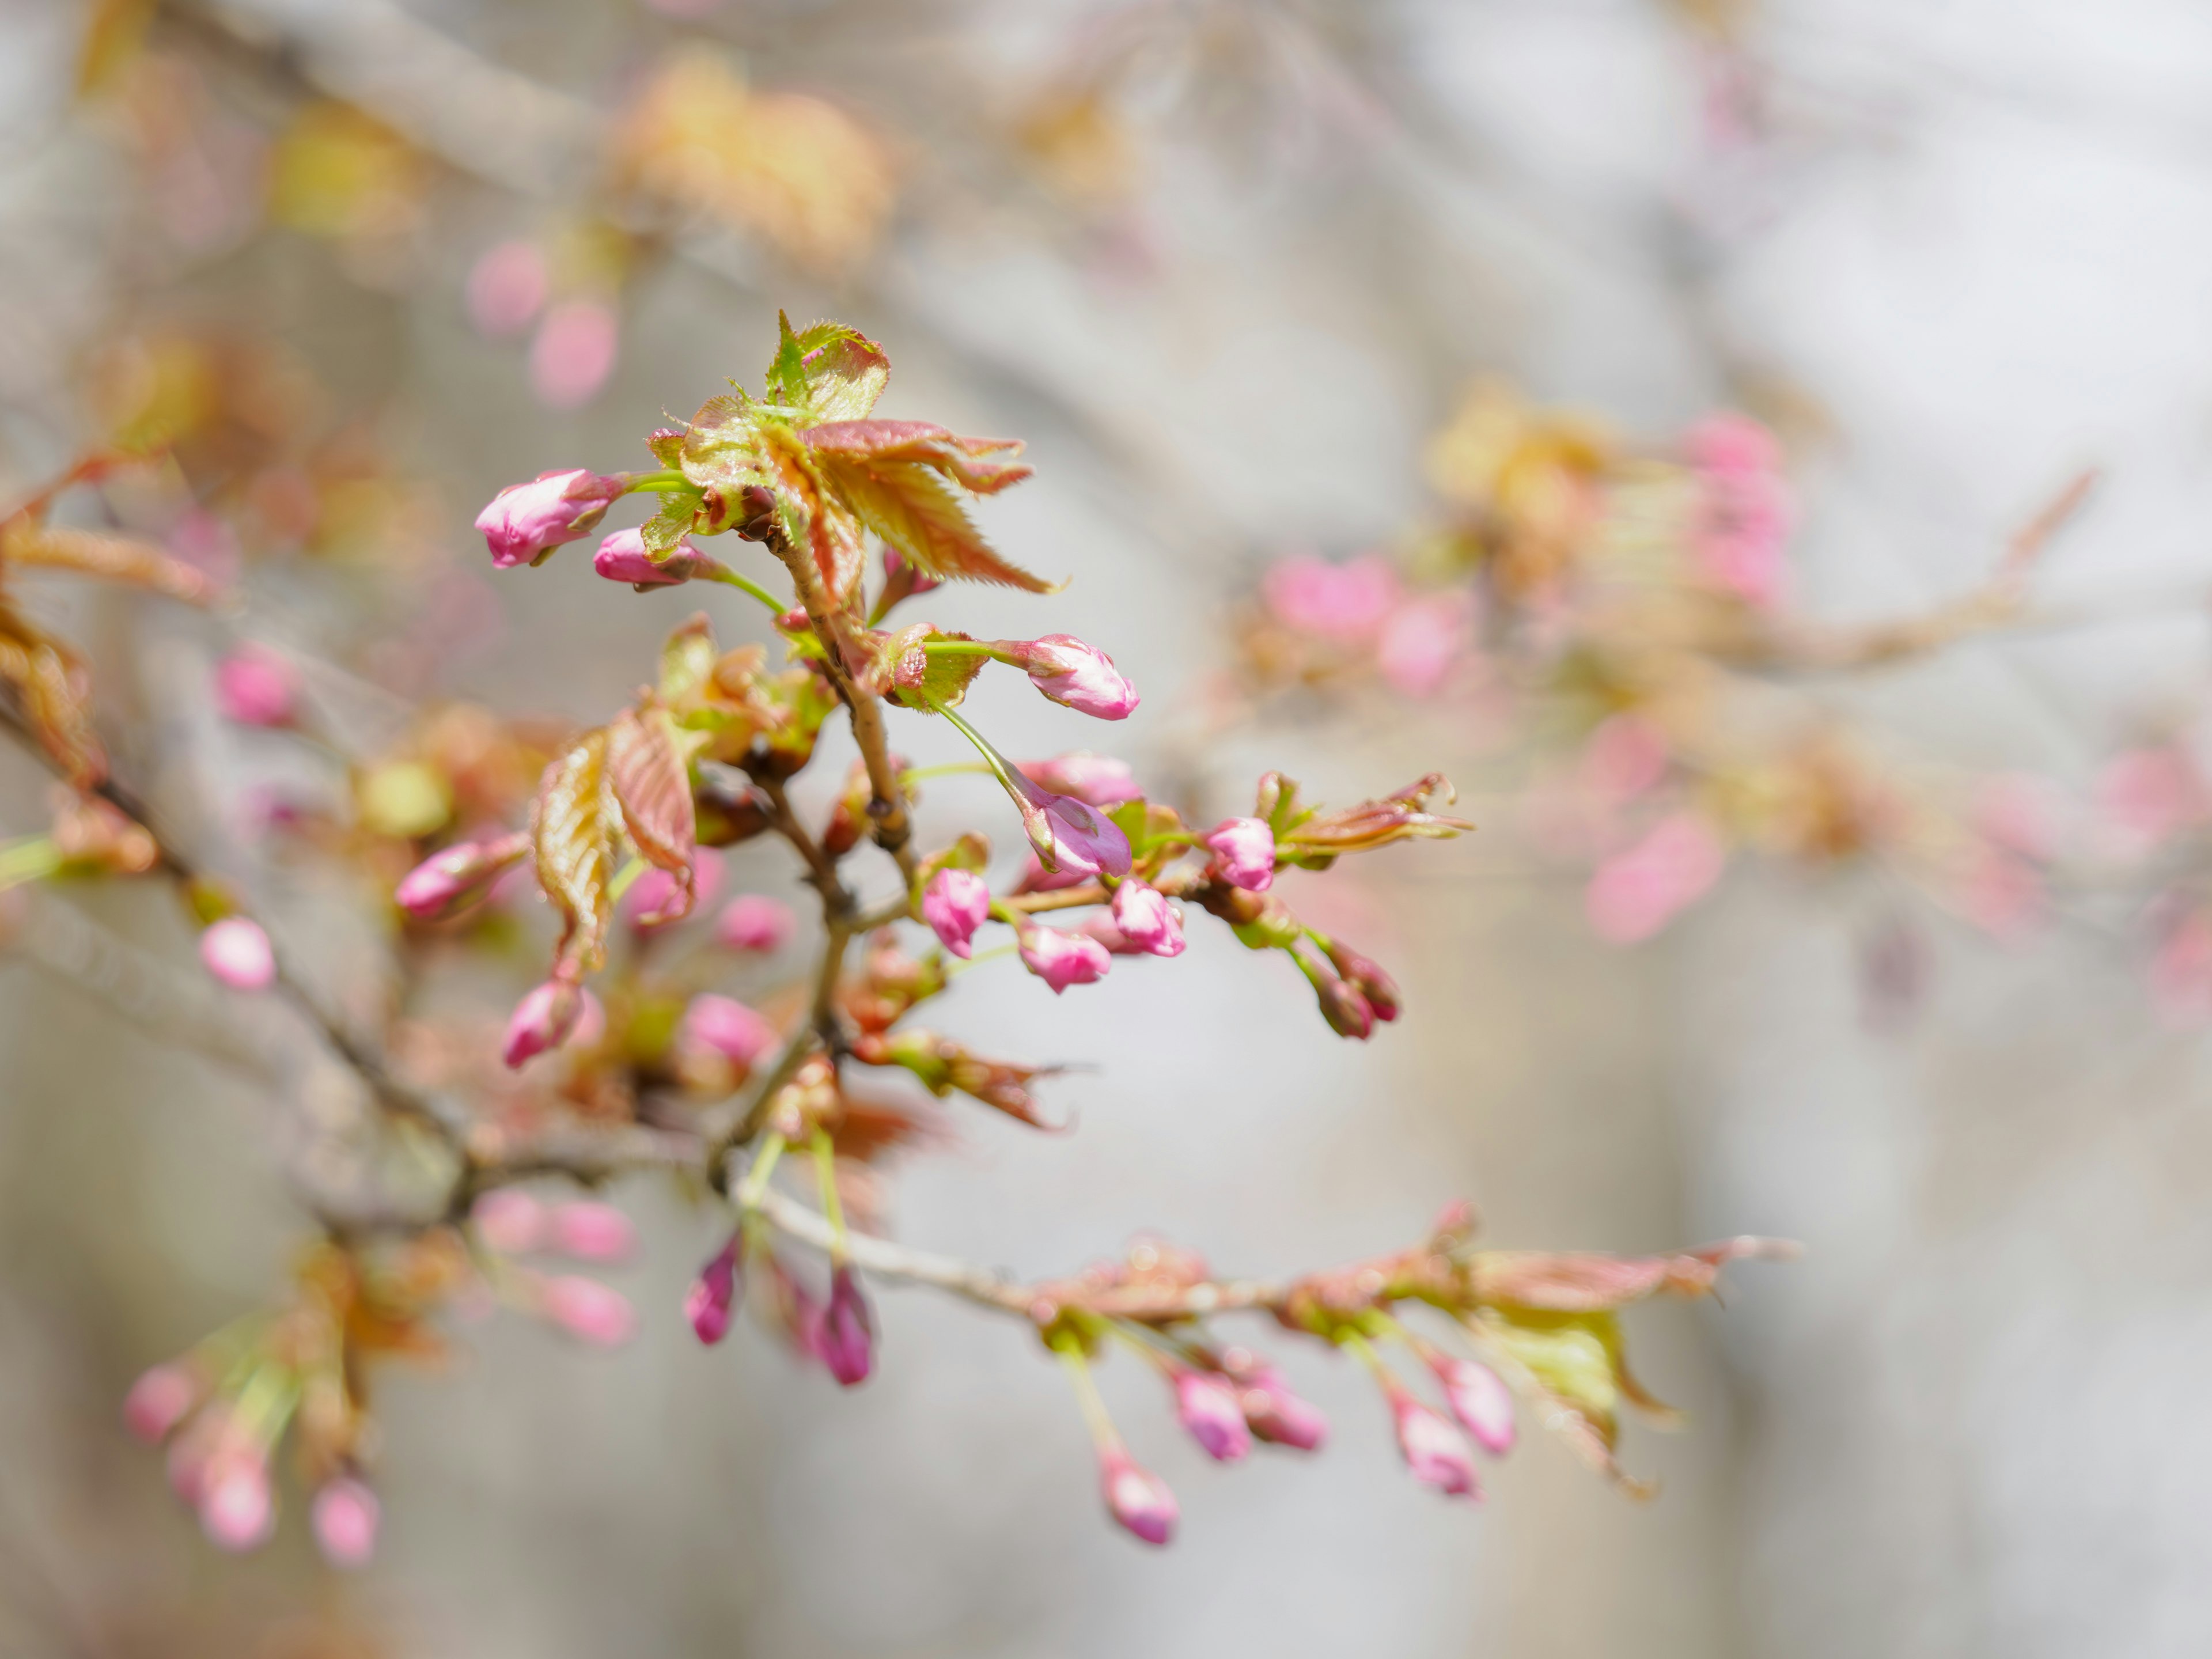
(591,1232)
(1146,919)
(754,922)
(1436,1453)
(623,558)
(1136,1497)
(450,881)
(1280,1417)
(508,1222)
(1346,1010)
(546,1018)
(237,952)
(159,1400)
(1480,1400)
(846,1340)
(725,1026)
(1062,958)
(1076,675)
(1209,1411)
(955,904)
(1377,987)
(713,1298)
(588,1310)
(238,1510)
(345,1519)
(526,521)
(1243,852)
(254,686)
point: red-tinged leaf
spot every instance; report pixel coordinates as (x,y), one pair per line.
(812,519)
(909,507)
(846,371)
(721,449)
(967,461)
(1570,1365)
(55,688)
(1583,1284)
(652,783)
(571,826)
(111,558)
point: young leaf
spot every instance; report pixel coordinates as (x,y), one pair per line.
(720,451)
(688,659)
(966,461)
(111,558)
(810,519)
(647,767)
(570,826)
(786,371)
(664,529)
(906,504)
(55,690)
(846,371)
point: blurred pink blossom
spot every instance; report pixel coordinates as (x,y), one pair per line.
(588,1310)
(237,952)
(159,1400)
(753,921)
(1625,756)
(1743,519)
(2001,895)
(254,686)
(574,353)
(2147,796)
(647,905)
(592,1231)
(1422,639)
(2181,969)
(509,1222)
(1347,601)
(1637,893)
(506,288)
(725,1026)
(345,1518)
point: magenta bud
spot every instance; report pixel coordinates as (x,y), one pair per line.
(237,952)
(713,1298)
(591,1232)
(1096,781)
(1146,919)
(1062,958)
(448,882)
(622,558)
(1480,1400)
(1376,989)
(546,1018)
(159,1400)
(725,1026)
(238,1510)
(1436,1453)
(846,1340)
(1280,1417)
(526,521)
(254,686)
(1208,1406)
(1244,854)
(1346,1011)
(754,922)
(1136,1497)
(588,1310)
(1073,674)
(656,900)
(955,904)
(345,1518)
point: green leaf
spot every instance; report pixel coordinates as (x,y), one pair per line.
(571,828)
(721,450)
(688,659)
(664,529)
(845,372)
(786,371)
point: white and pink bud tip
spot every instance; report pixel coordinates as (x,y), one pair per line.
(1280,1417)
(1243,852)
(526,521)
(237,952)
(546,1018)
(1480,1400)
(1207,1407)
(1099,781)
(238,1510)
(723,1025)
(1076,675)
(588,1310)
(622,558)
(846,1339)
(1143,917)
(1138,1499)
(955,904)
(159,1400)
(713,1298)
(345,1518)
(657,900)
(753,921)
(508,1222)
(589,1231)
(1436,1453)
(254,686)
(449,881)
(1060,958)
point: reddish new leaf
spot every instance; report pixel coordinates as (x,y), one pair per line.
(967,461)
(111,558)
(572,826)
(911,508)
(846,371)
(647,770)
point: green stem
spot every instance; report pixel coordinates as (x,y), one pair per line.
(1094,1416)
(746,584)
(749,1195)
(825,1176)
(665,481)
(923,773)
(998,763)
(624,877)
(32,859)
(959,649)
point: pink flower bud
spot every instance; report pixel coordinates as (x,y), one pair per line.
(448,882)
(1146,919)
(345,1518)
(713,1297)
(591,1232)
(623,558)
(955,904)
(652,899)
(1078,675)
(256,687)
(1096,781)
(238,1511)
(526,521)
(159,1400)
(1375,988)
(1084,842)
(588,1310)
(1244,854)
(574,353)
(546,1018)
(509,1222)
(1422,641)
(1136,1497)
(754,922)
(1480,1399)
(1436,1453)
(846,1340)
(1332,601)
(916,580)
(1061,959)
(1637,893)
(725,1026)
(1207,1407)
(237,952)
(1349,1014)
(1280,1417)
(506,288)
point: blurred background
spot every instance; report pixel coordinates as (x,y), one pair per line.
(1226,266)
